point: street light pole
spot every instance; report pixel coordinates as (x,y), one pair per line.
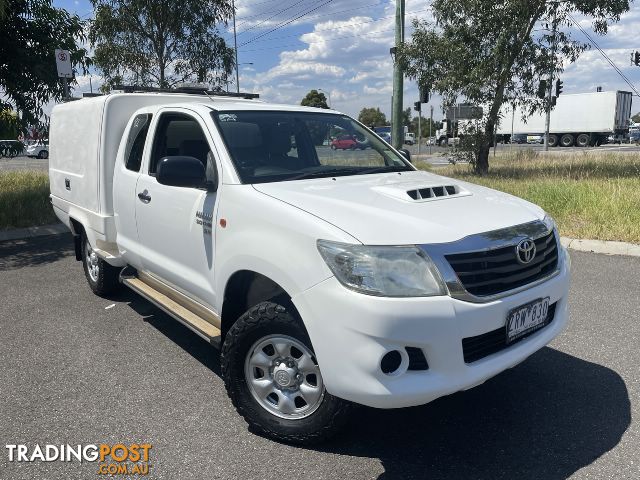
(547,121)
(328,96)
(235,45)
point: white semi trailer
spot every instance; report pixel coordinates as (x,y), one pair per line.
(583,119)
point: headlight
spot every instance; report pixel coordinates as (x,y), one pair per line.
(549,222)
(383,271)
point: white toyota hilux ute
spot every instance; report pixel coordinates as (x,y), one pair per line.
(329,277)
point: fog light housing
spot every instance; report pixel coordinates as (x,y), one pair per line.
(391,362)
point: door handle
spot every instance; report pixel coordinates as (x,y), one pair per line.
(144,196)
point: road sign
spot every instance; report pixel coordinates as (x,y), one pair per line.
(63,62)
(463,111)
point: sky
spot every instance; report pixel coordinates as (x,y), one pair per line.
(288,47)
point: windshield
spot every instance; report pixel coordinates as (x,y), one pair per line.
(281,146)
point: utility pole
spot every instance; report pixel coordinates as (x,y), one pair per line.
(235,45)
(430,125)
(396,112)
(547,121)
(419,130)
(513,119)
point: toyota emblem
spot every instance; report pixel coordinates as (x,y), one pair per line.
(526,251)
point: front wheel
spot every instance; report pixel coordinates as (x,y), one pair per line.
(273,379)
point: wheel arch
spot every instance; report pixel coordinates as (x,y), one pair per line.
(246,288)
(77,230)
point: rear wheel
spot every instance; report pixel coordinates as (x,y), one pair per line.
(553,140)
(567,140)
(102,277)
(273,379)
(43,154)
(583,140)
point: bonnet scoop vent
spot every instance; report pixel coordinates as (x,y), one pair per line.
(434,192)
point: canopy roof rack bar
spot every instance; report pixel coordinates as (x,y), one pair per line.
(187,90)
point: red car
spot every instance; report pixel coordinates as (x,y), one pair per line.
(344,142)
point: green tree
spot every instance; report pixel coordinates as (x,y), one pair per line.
(372,117)
(636,118)
(315,99)
(10,127)
(424,126)
(406,116)
(160,43)
(32,30)
(491,53)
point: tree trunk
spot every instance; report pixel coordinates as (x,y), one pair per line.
(482,162)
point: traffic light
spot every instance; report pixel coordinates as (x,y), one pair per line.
(558,87)
(542,89)
(417,106)
(424,95)
(554,100)
(636,59)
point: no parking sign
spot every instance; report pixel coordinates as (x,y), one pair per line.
(63,62)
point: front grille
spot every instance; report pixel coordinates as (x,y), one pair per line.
(480,346)
(490,272)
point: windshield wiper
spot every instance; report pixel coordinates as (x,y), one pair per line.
(330,172)
(386,169)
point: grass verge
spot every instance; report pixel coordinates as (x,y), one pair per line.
(24,199)
(594,196)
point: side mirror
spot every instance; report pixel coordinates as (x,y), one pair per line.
(180,171)
(406,154)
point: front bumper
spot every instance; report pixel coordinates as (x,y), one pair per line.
(351,332)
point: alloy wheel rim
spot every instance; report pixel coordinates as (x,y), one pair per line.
(283,377)
(92,263)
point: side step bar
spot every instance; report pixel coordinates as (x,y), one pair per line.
(177,310)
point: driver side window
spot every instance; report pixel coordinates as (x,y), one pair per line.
(180,134)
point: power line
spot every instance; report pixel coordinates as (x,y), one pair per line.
(320,41)
(312,17)
(284,24)
(606,57)
(332,13)
(256,25)
(344,26)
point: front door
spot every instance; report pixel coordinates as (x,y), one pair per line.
(175,224)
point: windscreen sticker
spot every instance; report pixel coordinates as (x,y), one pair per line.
(228,117)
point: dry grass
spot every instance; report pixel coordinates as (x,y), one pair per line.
(24,199)
(594,196)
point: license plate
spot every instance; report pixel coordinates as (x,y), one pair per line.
(526,318)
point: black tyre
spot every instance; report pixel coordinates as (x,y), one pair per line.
(273,380)
(583,140)
(102,277)
(553,140)
(567,140)
(43,154)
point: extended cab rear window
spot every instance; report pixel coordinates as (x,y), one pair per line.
(136,140)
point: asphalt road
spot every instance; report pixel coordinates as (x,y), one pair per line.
(78,369)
